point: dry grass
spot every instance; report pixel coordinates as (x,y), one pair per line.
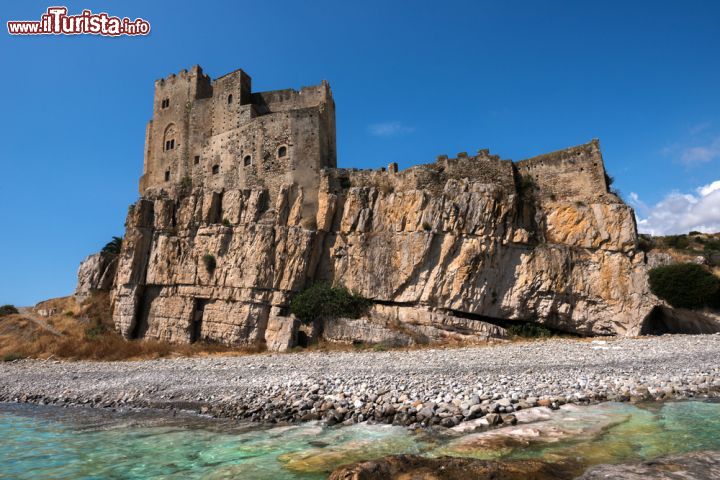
(85,332)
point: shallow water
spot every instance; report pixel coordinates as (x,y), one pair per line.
(75,443)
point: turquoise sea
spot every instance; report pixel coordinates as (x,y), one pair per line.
(77,443)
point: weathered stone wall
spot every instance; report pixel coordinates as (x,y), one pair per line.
(576,173)
(219,135)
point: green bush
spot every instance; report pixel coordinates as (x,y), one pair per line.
(113,247)
(95,331)
(9,357)
(645,243)
(426,226)
(8,310)
(685,285)
(210,262)
(528,330)
(609,180)
(694,232)
(322,300)
(712,245)
(679,242)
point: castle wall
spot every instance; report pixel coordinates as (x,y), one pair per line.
(224,136)
(576,173)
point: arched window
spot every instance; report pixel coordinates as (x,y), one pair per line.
(282,151)
(169,140)
(216,169)
(229,99)
(247,160)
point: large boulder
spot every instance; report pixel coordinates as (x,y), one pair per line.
(96,274)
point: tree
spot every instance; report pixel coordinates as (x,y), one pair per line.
(322,300)
(113,247)
(685,285)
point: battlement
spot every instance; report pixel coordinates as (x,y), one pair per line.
(572,174)
(219,134)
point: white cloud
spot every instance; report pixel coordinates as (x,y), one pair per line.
(389,129)
(701,153)
(681,212)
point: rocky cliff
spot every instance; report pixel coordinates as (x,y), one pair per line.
(443,250)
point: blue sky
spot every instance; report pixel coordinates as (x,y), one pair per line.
(410,80)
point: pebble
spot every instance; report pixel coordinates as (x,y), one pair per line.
(416,388)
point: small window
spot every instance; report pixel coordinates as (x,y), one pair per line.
(197,159)
(229,99)
(170,144)
(216,169)
(165,103)
(247,160)
(167,176)
(282,151)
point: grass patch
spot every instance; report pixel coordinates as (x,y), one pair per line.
(11,357)
(89,334)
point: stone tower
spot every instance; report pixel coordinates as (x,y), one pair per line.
(218,134)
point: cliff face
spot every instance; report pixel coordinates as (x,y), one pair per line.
(440,249)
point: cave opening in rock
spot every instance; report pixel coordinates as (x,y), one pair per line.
(197,319)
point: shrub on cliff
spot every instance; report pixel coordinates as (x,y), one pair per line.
(322,300)
(8,310)
(528,330)
(210,262)
(685,285)
(113,247)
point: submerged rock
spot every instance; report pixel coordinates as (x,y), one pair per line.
(695,466)
(452,468)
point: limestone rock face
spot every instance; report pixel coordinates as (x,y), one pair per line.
(96,273)
(440,260)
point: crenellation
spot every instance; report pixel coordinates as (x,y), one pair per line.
(219,134)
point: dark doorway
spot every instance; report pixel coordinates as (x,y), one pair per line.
(302,339)
(197,319)
(142,317)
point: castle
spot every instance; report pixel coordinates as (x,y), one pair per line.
(219,134)
(242,206)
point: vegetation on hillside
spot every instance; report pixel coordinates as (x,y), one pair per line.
(694,244)
(322,300)
(7,310)
(84,331)
(685,285)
